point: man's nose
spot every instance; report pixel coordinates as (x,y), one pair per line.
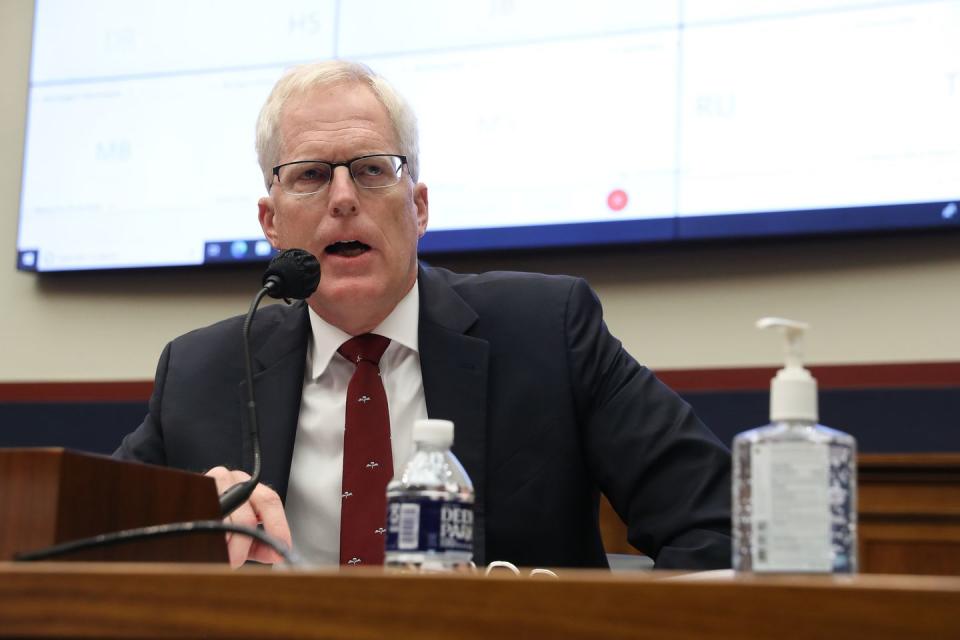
(343,193)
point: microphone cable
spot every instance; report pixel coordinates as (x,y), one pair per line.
(290,557)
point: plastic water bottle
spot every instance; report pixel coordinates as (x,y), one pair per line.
(430,505)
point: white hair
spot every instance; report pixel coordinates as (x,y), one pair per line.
(304,78)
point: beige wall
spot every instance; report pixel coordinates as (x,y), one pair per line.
(890,299)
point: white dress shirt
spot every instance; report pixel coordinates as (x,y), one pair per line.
(313,493)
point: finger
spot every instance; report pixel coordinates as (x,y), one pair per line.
(225,478)
(269,512)
(238,544)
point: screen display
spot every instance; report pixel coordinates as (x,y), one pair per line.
(542,123)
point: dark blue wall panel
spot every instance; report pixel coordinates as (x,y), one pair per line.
(88,426)
(882,420)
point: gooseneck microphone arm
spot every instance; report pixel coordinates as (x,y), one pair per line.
(240,493)
(294,273)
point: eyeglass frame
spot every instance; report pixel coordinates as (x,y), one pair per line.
(333,167)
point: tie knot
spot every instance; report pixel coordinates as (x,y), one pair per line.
(367,346)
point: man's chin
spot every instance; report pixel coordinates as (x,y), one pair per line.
(349,295)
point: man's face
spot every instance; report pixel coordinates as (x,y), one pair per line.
(360,283)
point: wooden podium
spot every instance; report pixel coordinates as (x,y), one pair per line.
(50,496)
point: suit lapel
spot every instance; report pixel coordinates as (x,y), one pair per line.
(454,368)
(278,383)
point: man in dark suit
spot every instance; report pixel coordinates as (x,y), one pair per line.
(549,409)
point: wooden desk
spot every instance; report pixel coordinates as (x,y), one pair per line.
(908,515)
(74,600)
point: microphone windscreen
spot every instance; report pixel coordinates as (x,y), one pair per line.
(293,273)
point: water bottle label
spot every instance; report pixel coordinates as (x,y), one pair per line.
(421,524)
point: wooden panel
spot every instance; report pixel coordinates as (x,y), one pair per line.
(29,495)
(928,463)
(49,496)
(934,557)
(906,375)
(908,512)
(106,391)
(136,601)
(892,497)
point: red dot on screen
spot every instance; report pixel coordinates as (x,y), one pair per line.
(617,199)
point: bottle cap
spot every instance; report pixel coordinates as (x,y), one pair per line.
(793,391)
(436,432)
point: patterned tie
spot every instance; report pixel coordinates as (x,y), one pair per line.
(367,455)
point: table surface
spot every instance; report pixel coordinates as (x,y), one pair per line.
(77,600)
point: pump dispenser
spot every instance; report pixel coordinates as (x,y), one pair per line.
(793,392)
(794,481)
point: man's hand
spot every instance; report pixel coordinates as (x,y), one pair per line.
(264,507)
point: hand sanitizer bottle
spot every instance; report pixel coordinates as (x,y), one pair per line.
(794,481)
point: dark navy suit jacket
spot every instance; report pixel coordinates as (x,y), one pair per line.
(549,411)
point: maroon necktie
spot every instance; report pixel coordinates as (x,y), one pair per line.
(367,455)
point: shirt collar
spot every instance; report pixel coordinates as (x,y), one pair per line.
(400,326)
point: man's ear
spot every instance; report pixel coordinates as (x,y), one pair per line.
(267,215)
(422,200)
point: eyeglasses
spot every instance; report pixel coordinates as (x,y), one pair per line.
(305,177)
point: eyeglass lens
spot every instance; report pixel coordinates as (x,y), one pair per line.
(371,172)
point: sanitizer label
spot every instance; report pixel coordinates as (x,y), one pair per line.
(421,524)
(791,507)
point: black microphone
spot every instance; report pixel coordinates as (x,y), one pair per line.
(292,274)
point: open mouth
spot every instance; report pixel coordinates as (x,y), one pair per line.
(347,248)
